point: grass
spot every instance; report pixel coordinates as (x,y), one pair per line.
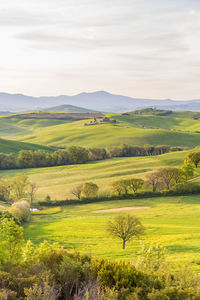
(8,146)
(58,181)
(176,130)
(173,222)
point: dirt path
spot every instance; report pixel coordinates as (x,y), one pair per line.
(120,209)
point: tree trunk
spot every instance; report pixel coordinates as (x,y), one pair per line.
(124,242)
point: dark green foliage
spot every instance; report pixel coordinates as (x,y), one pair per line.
(74,155)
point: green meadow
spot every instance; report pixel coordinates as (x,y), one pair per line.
(58,181)
(177,129)
(10,146)
(171,221)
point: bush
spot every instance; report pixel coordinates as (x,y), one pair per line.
(185,188)
(21,211)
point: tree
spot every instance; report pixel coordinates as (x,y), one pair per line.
(76,191)
(193,158)
(19,186)
(187,171)
(153,180)
(169,176)
(117,187)
(135,184)
(89,189)
(32,190)
(125,227)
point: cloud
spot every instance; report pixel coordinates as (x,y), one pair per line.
(120,42)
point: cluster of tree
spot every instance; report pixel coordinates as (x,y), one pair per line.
(159,180)
(162,179)
(86,190)
(75,155)
(13,189)
(20,193)
(48,271)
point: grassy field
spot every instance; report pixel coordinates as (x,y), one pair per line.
(9,146)
(177,130)
(172,221)
(58,181)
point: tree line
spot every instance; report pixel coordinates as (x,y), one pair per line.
(75,155)
(162,179)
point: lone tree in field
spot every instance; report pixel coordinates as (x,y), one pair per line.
(125,227)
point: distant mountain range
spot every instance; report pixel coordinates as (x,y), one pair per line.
(95,101)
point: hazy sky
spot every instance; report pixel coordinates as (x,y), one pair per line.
(139,48)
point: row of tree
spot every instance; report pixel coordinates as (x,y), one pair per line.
(158,180)
(75,155)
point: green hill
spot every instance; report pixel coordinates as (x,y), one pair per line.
(174,129)
(58,181)
(8,146)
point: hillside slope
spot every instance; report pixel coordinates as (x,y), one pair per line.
(176,129)
(8,146)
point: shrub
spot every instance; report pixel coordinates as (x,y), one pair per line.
(21,211)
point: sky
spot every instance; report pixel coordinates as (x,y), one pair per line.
(138,48)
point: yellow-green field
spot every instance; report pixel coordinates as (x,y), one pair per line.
(171,221)
(58,181)
(177,129)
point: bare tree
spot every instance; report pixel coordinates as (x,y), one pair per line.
(153,180)
(76,191)
(125,227)
(32,190)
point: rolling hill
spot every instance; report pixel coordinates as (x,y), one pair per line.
(8,146)
(68,109)
(175,129)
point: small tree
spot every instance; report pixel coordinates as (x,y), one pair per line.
(125,227)
(76,191)
(19,186)
(32,191)
(187,171)
(193,158)
(153,180)
(169,176)
(117,187)
(89,189)
(134,184)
